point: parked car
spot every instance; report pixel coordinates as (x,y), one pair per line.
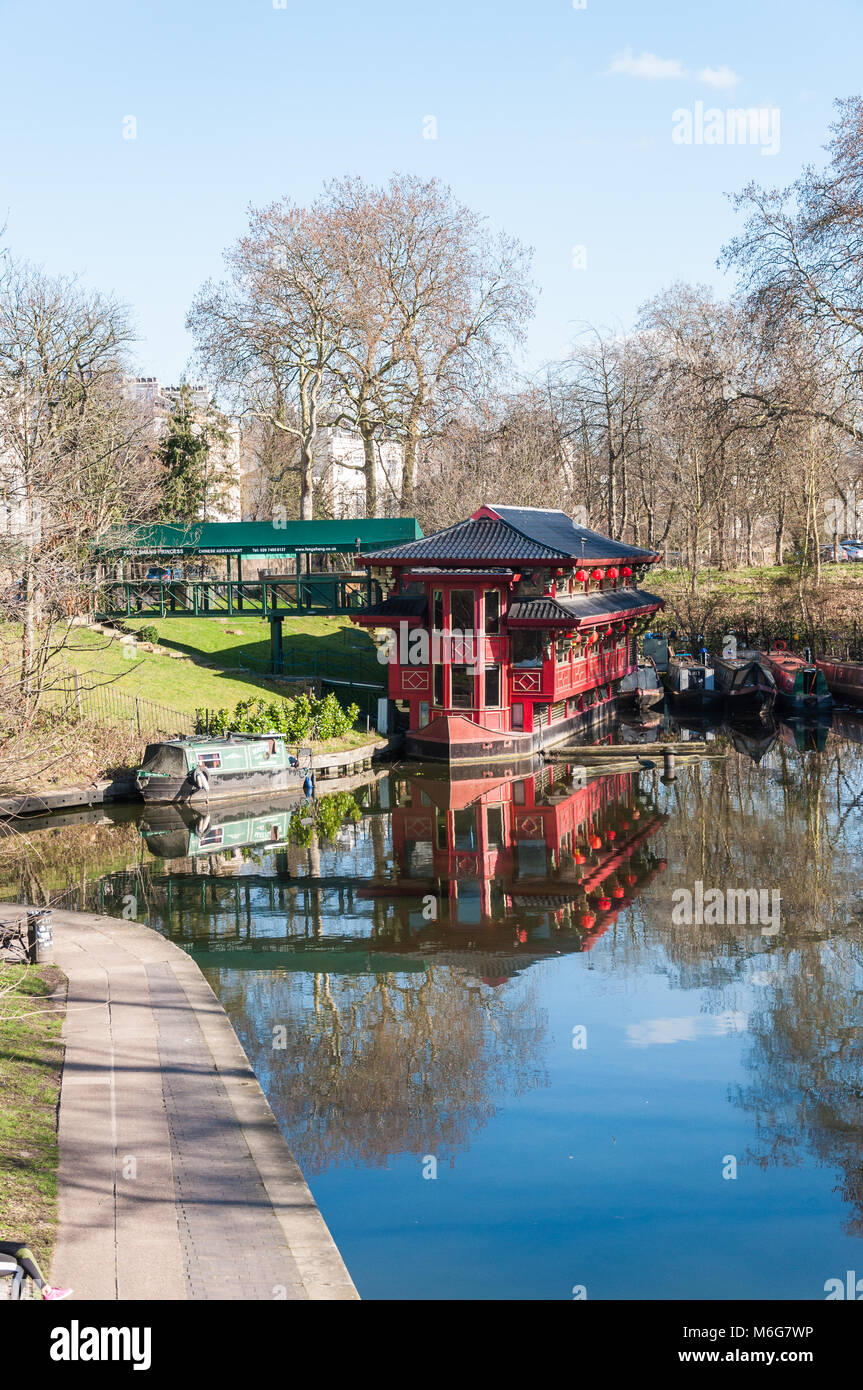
(162,575)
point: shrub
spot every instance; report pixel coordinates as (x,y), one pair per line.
(301,718)
(148,633)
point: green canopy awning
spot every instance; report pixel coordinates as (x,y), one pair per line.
(260,537)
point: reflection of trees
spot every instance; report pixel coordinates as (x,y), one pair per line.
(806,1056)
(61,866)
(784,824)
(793,822)
(390,1064)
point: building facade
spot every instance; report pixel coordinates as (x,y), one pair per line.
(507,632)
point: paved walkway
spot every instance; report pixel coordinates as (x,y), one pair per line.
(175,1180)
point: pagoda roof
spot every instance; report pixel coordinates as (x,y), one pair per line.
(515,535)
(581,609)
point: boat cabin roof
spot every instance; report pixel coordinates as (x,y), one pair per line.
(228,740)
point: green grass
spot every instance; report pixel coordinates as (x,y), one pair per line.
(31,1055)
(188,684)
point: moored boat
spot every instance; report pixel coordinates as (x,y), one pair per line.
(844,678)
(691,684)
(201,769)
(641,688)
(746,685)
(800,686)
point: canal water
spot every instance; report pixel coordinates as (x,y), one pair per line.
(523,1040)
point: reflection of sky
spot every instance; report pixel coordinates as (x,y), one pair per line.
(674,1030)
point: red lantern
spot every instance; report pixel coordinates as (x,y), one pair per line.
(617,892)
(626,572)
(595,841)
(612,573)
(596,574)
(632,879)
(612,835)
(579,857)
(587,920)
(604,904)
(581,575)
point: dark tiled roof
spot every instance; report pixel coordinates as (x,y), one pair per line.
(557,530)
(534,610)
(470,540)
(518,534)
(581,607)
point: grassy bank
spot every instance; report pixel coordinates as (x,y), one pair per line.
(210,663)
(195,665)
(31,1056)
(768,598)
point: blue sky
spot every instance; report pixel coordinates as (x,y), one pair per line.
(554,121)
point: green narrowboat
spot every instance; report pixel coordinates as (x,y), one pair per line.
(200,769)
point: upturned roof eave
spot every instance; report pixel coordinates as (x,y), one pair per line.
(378,561)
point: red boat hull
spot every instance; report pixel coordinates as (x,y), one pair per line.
(844,679)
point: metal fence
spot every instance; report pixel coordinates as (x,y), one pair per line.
(76,699)
(823,640)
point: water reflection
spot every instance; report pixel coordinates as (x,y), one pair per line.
(405,965)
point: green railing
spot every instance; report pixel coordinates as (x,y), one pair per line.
(322,594)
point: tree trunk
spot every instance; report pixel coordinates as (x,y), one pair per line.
(370,470)
(409,461)
(307,500)
(28,630)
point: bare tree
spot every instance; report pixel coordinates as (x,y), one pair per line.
(269,332)
(66,432)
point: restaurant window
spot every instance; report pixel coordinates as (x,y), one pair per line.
(517,716)
(492,687)
(437,610)
(438,686)
(492,612)
(461,681)
(527,649)
(461,610)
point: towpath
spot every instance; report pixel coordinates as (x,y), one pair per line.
(175,1181)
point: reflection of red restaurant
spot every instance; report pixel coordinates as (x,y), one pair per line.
(532,860)
(530,624)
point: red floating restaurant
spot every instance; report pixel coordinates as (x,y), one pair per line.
(507,632)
